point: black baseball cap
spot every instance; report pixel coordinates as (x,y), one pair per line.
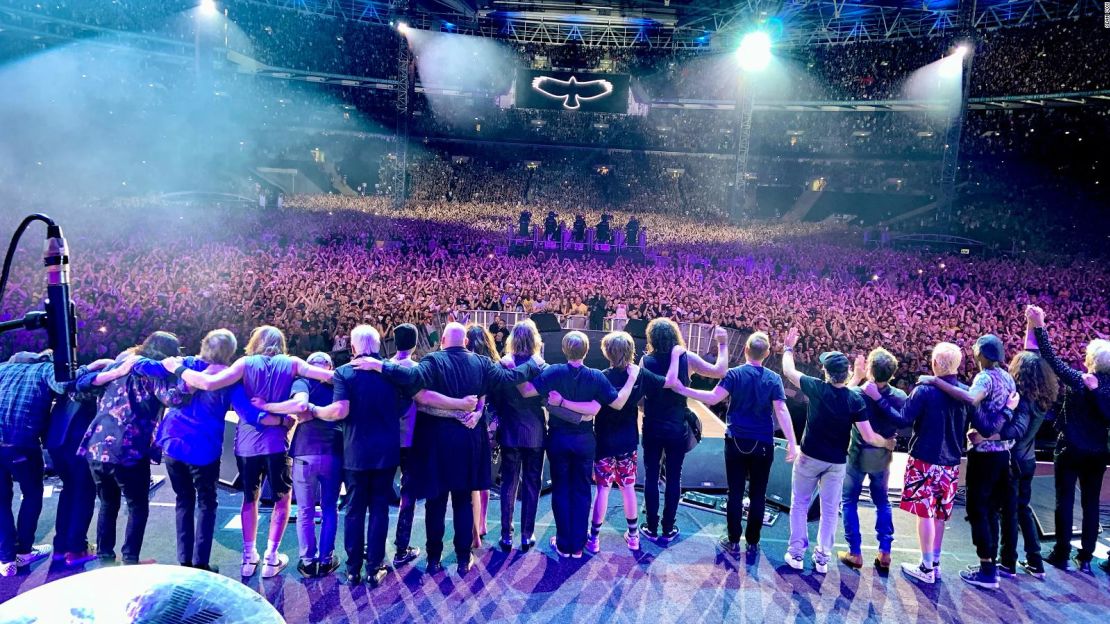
(834,362)
(990,347)
(404,336)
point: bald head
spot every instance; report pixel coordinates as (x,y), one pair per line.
(454,335)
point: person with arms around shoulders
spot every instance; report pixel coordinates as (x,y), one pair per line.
(834,409)
(933,471)
(884,412)
(756,401)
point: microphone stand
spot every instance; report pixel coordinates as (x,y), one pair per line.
(35,319)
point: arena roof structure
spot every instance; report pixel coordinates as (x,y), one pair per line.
(693,24)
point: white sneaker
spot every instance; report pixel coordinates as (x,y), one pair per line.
(795,561)
(633,540)
(41,551)
(915,570)
(820,567)
(273,565)
(7,568)
(593,544)
(250,564)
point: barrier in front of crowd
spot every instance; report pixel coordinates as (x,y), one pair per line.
(698,336)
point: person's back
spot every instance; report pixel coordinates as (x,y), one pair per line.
(832,413)
(269,377)
(752,392)
(665,409)
(25,398)
(522,418)
(939,424)
(193,430)
(991,413)
(316,436)
(372,429)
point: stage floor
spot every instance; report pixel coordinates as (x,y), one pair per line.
(686,582)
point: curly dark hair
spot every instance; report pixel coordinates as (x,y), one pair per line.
(1035,380)
(662,336)
(159,346)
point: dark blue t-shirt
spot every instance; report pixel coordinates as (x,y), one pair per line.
(618,431)
(574,383)
(752,391)
(832,414)
(316,437)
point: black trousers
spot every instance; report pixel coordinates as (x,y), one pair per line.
(1021,483)
(989,499)
(521,473)
(462,518)
(407,509)
(367,491)
(572,456)
(195,487)
(133,483)
(747,462)
(77,500)
(654,450)
(22,465)
(1086,469)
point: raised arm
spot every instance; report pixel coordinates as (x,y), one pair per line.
(720,366)
(788,370)
(1070,376)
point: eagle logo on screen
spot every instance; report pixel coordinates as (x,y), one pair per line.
(572,92)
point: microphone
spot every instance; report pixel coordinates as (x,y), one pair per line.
(61,321)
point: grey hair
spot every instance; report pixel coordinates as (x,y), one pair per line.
(365,340)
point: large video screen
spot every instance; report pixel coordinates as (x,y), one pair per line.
(572,91)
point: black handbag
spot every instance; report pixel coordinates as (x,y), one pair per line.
(693,430)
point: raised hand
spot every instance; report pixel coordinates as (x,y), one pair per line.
(720,335)
(1035,316)
(871,389)
(791,339)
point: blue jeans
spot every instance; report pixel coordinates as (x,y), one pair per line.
(884,518)
(316,480)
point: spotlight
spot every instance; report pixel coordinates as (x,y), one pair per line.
(754,53)
(403,28)
(208,7)
(962,50)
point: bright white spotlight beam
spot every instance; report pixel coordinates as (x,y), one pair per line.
(403,28)
(754,53)
(208,7)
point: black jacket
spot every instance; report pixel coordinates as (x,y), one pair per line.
(1084,421)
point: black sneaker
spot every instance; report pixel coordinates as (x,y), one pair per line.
(728,546)
(353,578)
(1007,571)
(1083,566)
(1104,565)
(668,537)
(1058,560)
(407,555)
(375,577)
(1036,571)
(434,567)
(327,566)
(751,554)
(308,569)
(979,578)
(528,544)
(649,534)
(506,545)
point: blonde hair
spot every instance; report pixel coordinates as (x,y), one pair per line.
(524,339)
(365,340)
(1098,356)
(947,358)
(218,347)
(266,340)
(575,345)
(619,349)
(758,345)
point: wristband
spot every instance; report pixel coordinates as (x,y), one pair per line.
(786,349)
(179,370)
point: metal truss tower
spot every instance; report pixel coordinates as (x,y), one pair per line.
(950,159)
(403,110)
(742,196)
